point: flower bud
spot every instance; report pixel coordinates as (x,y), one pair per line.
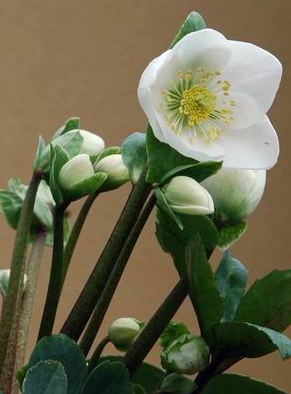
(75,171)
(236,193)
(4,281)
(188,354)
(92,144)
(117,172)
(123,331)
(187,196)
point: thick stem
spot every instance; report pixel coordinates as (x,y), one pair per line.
(13,300)
(76,230)
(155,326)
(97,353)
(90,294)
(56,274)
(112,283)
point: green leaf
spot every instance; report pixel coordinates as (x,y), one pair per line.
(172,332)
(111,150)
(164,206)
(230,233)
(64,350)
(236,339)
(231,279)
(59,158)
(134,155)
(39,152)
(109,377)
(229,383)
(177,384)
(193,22)
(203,291)
(198,171)
(10,205)
(268,302)
(69,125)
(162,158)
(85,187)
(46,377)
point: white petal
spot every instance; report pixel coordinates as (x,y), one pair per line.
(256,147)
(254,71)
(246,112)
(144,91)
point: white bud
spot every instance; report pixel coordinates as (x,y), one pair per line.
(113,166)
(123,331)
(185,195)
(75,171)
(92,144)
(236,193)
(4,281)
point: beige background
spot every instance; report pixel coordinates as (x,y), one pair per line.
(84,58)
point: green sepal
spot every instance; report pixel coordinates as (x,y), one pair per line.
(39,152)
(59,158)
(134,155)
(172,332)
(85,187)
(177,384)
(165,207)
(268,301)
(193,22)
(69,125)
(231,279)
(111,150)
(230,233)
(10,206)
(238,384)
(46,377)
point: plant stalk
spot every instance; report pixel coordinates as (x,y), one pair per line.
(155,326)
(56,274)
(115,276)
(12,302)
(93,289)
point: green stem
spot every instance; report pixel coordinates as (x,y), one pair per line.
(56,274)
(12,301)
(93,289)
(76,230)
(97,353)
(115,276)
(155,326)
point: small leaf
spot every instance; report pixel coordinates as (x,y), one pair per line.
(109,377)
(230,233)
(230,383)
(164,206)
(46,377)
(177,384)
(231,279)
(268,302)
(236,339)
(70,124)
(193,22)
(203,291)
(134,155)
(10,205)
(172,332)
(64,350)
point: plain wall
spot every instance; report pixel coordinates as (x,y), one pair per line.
(65,58)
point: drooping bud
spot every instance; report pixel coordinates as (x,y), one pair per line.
(186,196)
(117,172)
(188,354)
(236,193)
(92,144)
(4,281)
(123,331)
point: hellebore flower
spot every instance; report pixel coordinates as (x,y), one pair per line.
(117,172)
(207,98)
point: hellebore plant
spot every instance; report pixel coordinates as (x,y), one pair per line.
(202,165)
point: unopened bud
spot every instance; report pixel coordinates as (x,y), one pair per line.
(123,331)
(236,193)
(188,354)
(117,172)
(186,196)
(92,144)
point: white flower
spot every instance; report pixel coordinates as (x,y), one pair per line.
(236,193)
(185,195)
(113,166)
(208,96)
(92,144)
(76,170)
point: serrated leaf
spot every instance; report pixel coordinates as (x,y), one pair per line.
(69,125)
(164,206)
(64,350)
(177,384)
(193,22)
(203,291)
(172,332)
(237,340)
(230,233)
(230,383)
(109,377)
(231,279)
(134,155)
(46,377)
(268,302)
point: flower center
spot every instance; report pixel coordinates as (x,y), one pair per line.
(198,105)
